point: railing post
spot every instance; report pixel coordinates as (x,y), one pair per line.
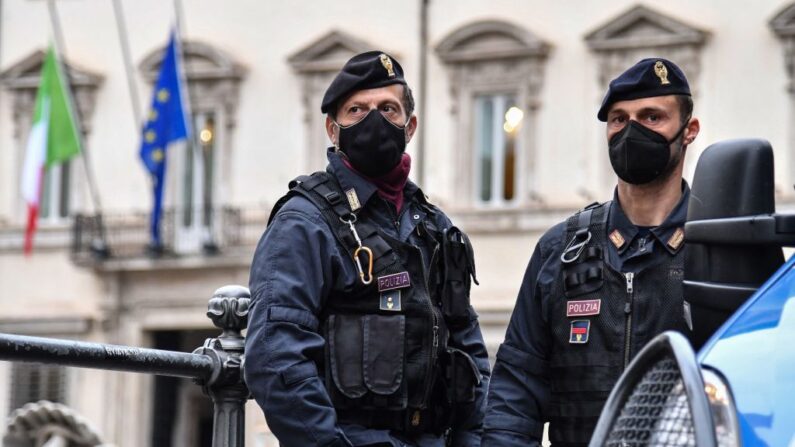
(228,309)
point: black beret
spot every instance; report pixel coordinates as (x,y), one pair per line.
(372,69)
(648,78)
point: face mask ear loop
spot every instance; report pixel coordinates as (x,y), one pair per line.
(337,142)
(681,130)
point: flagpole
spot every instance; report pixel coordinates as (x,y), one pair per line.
(99,246)
(121,27)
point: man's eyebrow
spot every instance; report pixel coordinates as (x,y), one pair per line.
(651,109)
(389,101)
(618,111)
(643,111)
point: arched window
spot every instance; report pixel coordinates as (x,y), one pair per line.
(317,63)
(198,173)
(638,33)
(64,185)
(496,73)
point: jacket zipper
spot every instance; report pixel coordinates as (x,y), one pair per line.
(628,311)
(434,336)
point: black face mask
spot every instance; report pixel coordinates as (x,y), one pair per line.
(640,155)
(374,145)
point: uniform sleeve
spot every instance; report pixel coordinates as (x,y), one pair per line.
(468,424)
(291,273)
(519,389)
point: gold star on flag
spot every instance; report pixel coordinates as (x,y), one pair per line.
(157,155)
(152,115)
(150,136)
(162,95)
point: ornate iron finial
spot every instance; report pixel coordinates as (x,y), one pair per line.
(228,308)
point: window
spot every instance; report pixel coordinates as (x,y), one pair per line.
(62,185)
(197,173)
(195,185)
(55,193)
(496,73)
(32,383)
(498,119)
(636,33)
(317,63)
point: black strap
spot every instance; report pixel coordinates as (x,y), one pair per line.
(323,191)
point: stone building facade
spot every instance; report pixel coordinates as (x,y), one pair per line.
(509,145)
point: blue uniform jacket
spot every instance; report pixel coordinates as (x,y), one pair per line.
(297,263)
(519,388)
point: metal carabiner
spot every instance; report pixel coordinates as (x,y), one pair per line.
(572,246)
(369,279)
(369,274)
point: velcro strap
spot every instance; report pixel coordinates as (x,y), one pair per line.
(593,273)
(593,253)
(584,219)
(571,280)
(523,360)
(292,315)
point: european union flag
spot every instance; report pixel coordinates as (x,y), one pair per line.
(165,124)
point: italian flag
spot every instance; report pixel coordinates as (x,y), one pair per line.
(53,137)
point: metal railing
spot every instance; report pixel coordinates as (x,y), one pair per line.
(127,235)
(217,366)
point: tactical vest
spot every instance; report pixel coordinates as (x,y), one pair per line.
(599,319)
(387,363)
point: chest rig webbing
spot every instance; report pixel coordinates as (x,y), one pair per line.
(599,319)
(324,192)
(382,363)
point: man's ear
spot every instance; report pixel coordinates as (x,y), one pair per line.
(332,130)
(411,127)
(691,132)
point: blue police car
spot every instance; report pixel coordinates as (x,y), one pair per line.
(739,389)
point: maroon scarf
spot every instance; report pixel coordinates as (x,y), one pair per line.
(390,185)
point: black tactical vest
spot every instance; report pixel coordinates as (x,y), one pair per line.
(599,319)
(387,363)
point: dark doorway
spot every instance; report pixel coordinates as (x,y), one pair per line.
(181,415)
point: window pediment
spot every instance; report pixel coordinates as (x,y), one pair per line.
(202,62)
(328,53)
(26,73)
(489,40)
(643,27)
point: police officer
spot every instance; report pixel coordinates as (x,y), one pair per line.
(600,285)
(361,332)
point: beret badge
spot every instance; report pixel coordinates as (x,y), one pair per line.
(661,72)
(387,63)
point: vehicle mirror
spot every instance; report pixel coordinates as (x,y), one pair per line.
(733,179)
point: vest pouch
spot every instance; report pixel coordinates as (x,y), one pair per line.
(366,361)
(461,376)
(458,269)
(383,352)
(345,340)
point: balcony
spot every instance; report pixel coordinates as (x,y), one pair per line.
(218,233)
